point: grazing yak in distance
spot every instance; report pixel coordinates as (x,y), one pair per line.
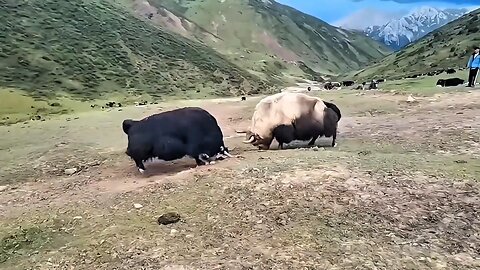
(328,86)
(450,82)
(450,71)
(331,85)
(292,116)
(170,135)
(348,83)
(373,85)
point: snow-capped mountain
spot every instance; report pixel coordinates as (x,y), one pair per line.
(398,33)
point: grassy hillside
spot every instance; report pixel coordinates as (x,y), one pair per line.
(89,48)
(263,36)
(448,46)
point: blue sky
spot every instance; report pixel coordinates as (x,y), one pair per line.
(332,11)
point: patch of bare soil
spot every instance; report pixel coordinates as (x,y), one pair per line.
(162,17)
(445,125)
(274,46)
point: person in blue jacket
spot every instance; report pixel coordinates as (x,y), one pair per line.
(473,66)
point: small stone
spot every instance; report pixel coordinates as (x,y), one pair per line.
(77,217)
(168,218)
(137,205)
(3,188)
(189,236)
(70,171)
(173,232)
(282,219)
(410,98)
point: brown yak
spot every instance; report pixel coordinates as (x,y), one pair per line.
(290,116)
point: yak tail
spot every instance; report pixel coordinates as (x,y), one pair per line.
(334,108)
(127,124)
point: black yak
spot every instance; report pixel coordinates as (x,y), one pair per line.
(450,82)
(170,135)
(451,71)
(348,83)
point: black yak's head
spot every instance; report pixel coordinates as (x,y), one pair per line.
(256,140)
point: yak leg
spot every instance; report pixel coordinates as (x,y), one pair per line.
(334,143)
(312,141)
(140,166)
(199,162)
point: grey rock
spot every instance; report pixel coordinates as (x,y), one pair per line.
(70,171)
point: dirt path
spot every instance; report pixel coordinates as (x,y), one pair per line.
(399,191)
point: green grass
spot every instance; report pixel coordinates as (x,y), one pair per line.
(28,240)
(18,106)
(239,25)
(88,48)
(447,47)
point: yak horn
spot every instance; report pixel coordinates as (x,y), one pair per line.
(252,139)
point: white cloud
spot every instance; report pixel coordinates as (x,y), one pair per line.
(470,9)
(363,18)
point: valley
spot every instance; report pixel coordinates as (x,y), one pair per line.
(448,47)
(400,190)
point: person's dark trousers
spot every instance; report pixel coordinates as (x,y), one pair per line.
(472,76)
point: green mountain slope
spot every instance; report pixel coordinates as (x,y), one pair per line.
(89,48)
(447,47)
(263,36)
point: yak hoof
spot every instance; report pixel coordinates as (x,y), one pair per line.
(335,145)
(212,162)
(204,158)
(142,171)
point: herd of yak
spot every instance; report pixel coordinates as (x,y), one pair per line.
(193,132)
(373,84)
